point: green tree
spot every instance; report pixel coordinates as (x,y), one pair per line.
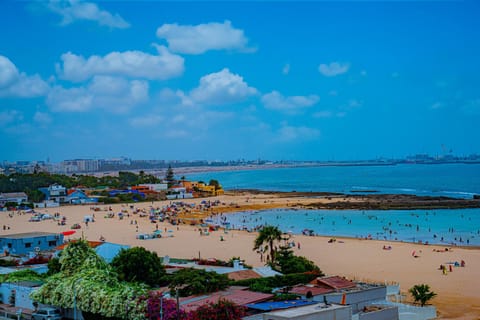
(54,266)
(170,176)
(215,183)
(74,255)
(421,293)
(266,240)
(193,281)
(220,310)
(286,262)
(139,265)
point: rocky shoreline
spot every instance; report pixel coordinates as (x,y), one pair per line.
(339,201)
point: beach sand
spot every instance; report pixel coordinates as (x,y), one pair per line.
(458,292)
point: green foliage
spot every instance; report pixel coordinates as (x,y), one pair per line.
(8,263)
(35,195)
(54,266)
(215,183)
(93,283)
(29,183)
(139,265)
(170,176)
(286,262)
(74,255)
(266,240)
(193,281)
(22,275)
(421,293)
(220,310)
(267,284)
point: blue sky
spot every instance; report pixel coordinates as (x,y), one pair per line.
(227,80)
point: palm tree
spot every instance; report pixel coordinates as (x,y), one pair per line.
(421,293)
(266,239)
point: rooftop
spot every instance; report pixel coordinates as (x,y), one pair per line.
(237,295)
(28,235)
(334,282)
(306,310)
(304,289)
(278,305)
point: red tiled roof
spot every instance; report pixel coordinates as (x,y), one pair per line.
(334,282)
(92,244)
(303,290)
(243,274)
(239,297)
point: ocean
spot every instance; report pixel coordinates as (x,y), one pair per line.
(452,180)
(449,227)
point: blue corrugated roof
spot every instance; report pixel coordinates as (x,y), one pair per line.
(276,305)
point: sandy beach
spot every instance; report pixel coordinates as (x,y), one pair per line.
(458,294)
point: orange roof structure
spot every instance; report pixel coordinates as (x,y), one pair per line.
(92,244)
(334,282)
(237,295)
(243,274)
(316,291)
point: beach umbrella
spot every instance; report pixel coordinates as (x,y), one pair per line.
(68,232)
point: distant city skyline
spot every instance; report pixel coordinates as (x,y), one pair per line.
(318,81)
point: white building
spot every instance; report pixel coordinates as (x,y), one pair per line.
(18,197)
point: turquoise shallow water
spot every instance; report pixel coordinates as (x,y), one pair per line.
(449,227)
(459,226)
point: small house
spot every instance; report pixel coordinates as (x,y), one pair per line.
(23,243)
(18,197)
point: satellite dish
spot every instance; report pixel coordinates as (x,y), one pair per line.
(37,249)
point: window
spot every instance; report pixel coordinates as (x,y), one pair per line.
(52,243)
(9,246)
(28,245)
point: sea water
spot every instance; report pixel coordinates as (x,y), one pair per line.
(451,180)
(448,227)
(455,226)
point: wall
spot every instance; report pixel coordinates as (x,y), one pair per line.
(332,314)
(22,295)
(388,313)
(356,299)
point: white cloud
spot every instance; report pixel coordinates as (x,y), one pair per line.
(275,101)
(146,121)
(286,69)
(333,69)
(73,10)
(353,103)
(222,87)
(290,133)
(109,93)
(203,37)
(42,118)
(10,116)
(323,114)
(136,64)
(17,84)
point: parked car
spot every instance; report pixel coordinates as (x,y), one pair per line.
(47,314)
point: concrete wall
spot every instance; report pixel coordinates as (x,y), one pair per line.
(356,299)
(388,313)
(22,295)
(332,314)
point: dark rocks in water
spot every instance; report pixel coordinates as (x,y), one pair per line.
(476,196)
